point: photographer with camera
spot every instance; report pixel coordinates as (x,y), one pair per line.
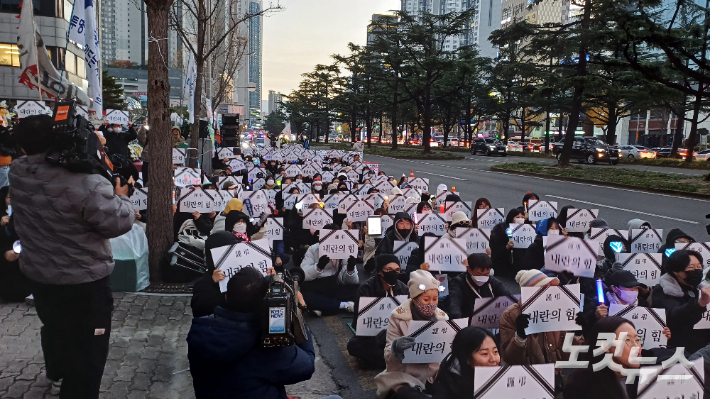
(65,221)
(227,359)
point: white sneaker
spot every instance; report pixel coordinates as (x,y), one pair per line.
(350,307)
(30,300)
(317,313)
(56,387)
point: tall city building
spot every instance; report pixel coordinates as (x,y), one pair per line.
(274,101)
(479,28)
(51,18)
(248,78)
(124,32)
(379,25)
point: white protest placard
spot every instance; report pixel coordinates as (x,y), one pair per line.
(600,235)
(195,201)
(541,210)
(376,199)
(316,218)
(360,210)
(384,186)
(258,184)
(293,170)
(140,199)
(310,169)
(230,259)
(178,156)
(303,187)
(421,184)
(458,206)
(345,201)
(187,177)
(408,192)
(488,218)
(397,204)
(445,254)
(237,164)
(374,166)
(118,117)
(571,254)
(487,311)
(578,220)
(551,308)
(387,222)
(270,194)
(645,267)
(441,198)
(289,200)
(306,200)
(430,223)
(252,175)
(353,175)
(411,210)
(649,323)
(645,240)
(675,382)
(373,314)
(363,189)
(523,235)
(330,202)
(31,108)
(338,244)
(704,323)
(403,250)
(219,200)
(327,176)
(274,229)
(432,340)
(225,153)
(255,202)
(703,248)
(531,382)
(477,240)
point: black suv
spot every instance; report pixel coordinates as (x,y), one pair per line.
(488,146)
(590,150)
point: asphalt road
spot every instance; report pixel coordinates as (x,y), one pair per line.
(473,178)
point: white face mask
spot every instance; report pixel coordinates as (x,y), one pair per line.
(553,232)
(318,188)
(628,296)
(240,228)
(519,220)
(426,211)
(480,280)
(270,182)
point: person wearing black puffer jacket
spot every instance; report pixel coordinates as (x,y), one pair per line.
(465,288)
(675,236)
(507,261)
(404,230)
(684,295)
(535,254)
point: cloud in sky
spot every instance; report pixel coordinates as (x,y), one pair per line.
(308,32)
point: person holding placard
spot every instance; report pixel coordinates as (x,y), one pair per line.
(406,381)
(613,245)
(472,347)
(177,138)
(675,236)
(684,298)
(527,198)
(370,243)
(330,284)
(206,295)
(535,254)
(477,282)
(384,283)
(519,348)
(481,203)
(404,230)
(507,261)
(459,220)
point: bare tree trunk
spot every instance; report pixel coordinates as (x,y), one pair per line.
(522,126)
(395,110)
(611,123)
(160,206)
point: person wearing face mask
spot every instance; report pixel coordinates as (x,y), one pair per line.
(404,230)
(507,261)
(476,283)
(424,207)
(535,254)
(675,236)
(384,283)
(684,298)
(270,184)
(526,199)
(317,187)
(117,141)
(459,220)
(472,347)
(407,381)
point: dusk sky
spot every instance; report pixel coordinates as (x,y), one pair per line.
(308,32)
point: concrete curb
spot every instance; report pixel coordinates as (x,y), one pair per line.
(607,184)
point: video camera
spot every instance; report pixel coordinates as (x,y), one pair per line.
(283,321)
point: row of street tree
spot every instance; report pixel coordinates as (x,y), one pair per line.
(612,59)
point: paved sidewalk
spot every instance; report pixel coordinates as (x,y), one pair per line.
(147,356)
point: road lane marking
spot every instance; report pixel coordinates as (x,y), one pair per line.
(622,209)
(434,174)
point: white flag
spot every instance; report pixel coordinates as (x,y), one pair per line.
(189,88)
(83,31)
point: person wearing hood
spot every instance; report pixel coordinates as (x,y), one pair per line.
(535,254)
(404,230)
(507,261)
(406,380)
(472,347)
(384,283)
(225,353)
(177,138)
(684,298)
(597,223)
(613,245)
(637,224)
(476,283)
(675,236)
(117,141)
(241,225)
(330,284)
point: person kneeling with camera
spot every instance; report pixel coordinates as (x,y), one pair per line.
(227,359)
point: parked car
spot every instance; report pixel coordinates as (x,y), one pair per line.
(662,152)
(683,152)
(514,146)
(703,155)
(488,146)
(590,150)
(636,151)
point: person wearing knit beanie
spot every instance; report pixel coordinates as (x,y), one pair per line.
(535,278)
(421,281)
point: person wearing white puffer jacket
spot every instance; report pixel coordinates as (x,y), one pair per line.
(407,381)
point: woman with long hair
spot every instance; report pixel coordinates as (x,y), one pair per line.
(472,347)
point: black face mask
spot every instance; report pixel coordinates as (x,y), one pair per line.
(403,233)
(694,277)
(390,277)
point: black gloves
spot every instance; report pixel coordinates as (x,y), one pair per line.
(322,261)
(522,322)
(351,264)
